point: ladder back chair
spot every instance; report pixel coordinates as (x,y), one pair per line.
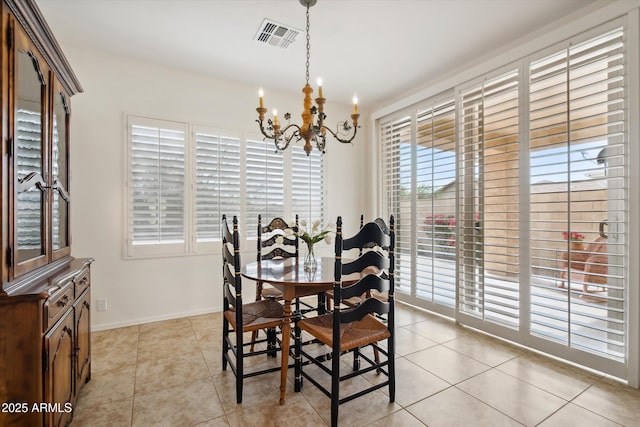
(352,302)
(274,243)
(239,317)
(278,240)
(349,330)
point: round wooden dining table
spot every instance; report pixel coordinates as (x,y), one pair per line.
(288,276)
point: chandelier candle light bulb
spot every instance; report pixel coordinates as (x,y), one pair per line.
(313,129)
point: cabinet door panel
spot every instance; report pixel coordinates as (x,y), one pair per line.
(29,159)
(82,310)
(59,376)
(60,173)
(30,168)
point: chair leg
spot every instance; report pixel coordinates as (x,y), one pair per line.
(272,337)
(322,303)
(335,387)
(225,345)
(297,383)
(376,358)
(356,359)
(392,369)
(254,334)
(239,366)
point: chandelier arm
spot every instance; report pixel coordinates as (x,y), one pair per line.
(295,133)
(263,131)
(335,134)
(287,139)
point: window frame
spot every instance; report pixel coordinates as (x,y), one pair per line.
(145,250)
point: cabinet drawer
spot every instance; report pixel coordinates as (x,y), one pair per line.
(82,281)
(58,304)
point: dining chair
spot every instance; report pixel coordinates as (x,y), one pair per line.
(240,317)
(274,243)
(352,302)
(351,329)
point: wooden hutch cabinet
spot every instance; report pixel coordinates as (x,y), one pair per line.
(45,351)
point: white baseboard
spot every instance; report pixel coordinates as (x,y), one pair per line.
(139,321)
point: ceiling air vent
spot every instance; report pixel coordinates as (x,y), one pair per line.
(275,34)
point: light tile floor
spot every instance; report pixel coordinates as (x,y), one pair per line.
(169,374)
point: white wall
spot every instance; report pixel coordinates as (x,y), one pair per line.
(139,291)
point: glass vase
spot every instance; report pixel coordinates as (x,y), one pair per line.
(310,262)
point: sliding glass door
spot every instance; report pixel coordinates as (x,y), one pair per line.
(510,196)
(577,202)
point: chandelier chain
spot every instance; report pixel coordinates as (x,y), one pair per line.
(308,45)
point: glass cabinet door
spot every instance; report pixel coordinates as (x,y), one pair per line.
(60,172)
(29,166)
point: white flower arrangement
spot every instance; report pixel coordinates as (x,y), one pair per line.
(309,237)
(315,235)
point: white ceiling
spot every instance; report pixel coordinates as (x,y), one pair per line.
(380,49)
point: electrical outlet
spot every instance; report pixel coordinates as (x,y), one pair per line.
(101,304)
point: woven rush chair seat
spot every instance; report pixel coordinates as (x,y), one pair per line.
(355,334)
(257,315)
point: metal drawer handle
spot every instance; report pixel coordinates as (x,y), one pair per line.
(64,301)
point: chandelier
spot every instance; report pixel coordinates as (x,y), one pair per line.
(313,129)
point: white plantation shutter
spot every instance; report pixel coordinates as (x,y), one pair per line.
(180,183)
(28,160)
(436,203)
(489,200)
(577,155)
(264,191)
(217,180)
(307,185)
(396,184)
(55,173)
(540,149)
(156,183)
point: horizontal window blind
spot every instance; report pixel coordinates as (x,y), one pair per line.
(396,171)
(489,200)
(28,159)
(264,193)
(307,185)
(157,181)
(577,103)
(435,198)
(59,218)
(217,181)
